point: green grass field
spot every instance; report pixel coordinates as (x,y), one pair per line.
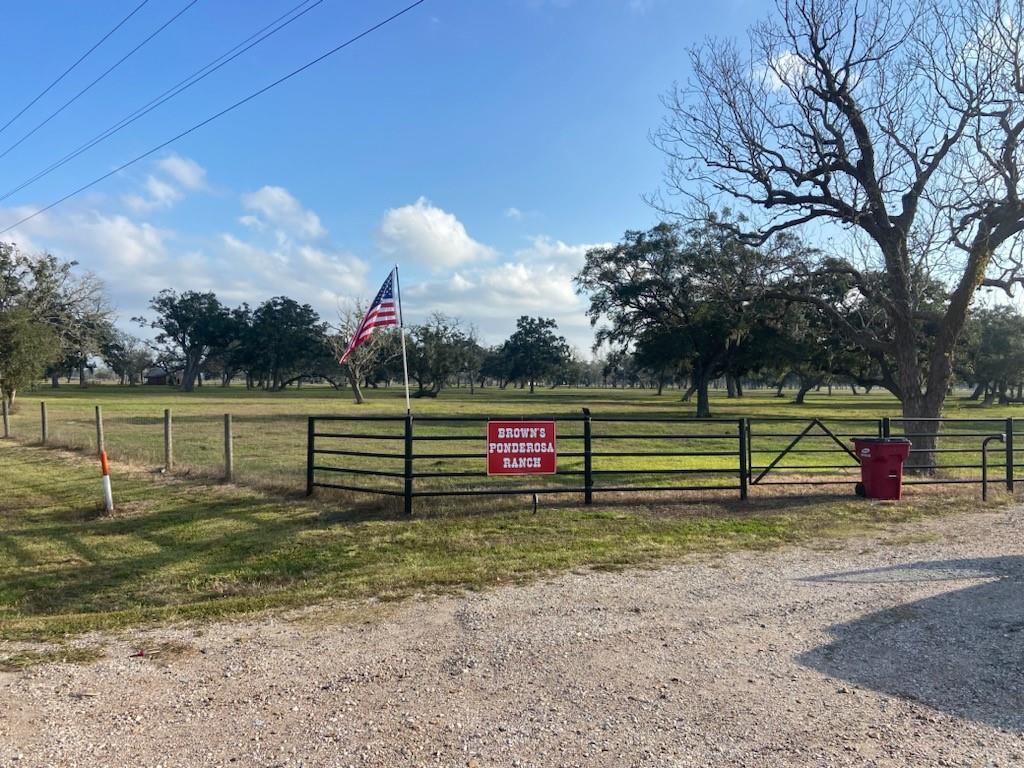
(181,549)
(270,430)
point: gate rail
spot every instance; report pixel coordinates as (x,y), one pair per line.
(413,457)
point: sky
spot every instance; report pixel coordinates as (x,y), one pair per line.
(481,145)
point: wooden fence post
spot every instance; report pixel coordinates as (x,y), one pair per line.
(43,423)
(229,458)
(100,444)
(168,442)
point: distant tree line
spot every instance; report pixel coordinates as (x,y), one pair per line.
(699,305)
(680,306)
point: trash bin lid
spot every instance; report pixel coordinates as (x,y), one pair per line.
(883,440)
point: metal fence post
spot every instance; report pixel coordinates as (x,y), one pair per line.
(7,416)
(43,423)
(742,426)
(886,427)
(310,433)
(1009,454)
(408,464)
(100,443)
(229,455)
(588,461)
(168,442)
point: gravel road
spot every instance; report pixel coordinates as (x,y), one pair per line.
(862,653)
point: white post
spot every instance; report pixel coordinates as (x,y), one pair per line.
(108,496)
(401,330)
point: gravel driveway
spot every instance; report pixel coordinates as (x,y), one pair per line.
(872,654)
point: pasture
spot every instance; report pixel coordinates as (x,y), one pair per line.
(185,546)
(270,427)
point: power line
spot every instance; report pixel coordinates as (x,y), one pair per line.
(67,71)
(116,64)
(182,85)
(211,118)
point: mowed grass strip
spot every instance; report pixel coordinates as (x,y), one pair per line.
(184,550)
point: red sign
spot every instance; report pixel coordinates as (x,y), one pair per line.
(521,448)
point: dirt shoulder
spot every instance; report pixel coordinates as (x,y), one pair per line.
(878,653)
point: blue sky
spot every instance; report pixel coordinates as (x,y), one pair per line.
(481,144)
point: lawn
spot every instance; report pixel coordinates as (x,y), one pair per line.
(270,429)
(183,549)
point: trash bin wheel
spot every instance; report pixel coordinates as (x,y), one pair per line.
(859,489)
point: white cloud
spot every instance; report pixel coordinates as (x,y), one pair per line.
(277,206)
(536,280)
(186,172)
(176,174)
(786,69)
(428,235)
(513,213)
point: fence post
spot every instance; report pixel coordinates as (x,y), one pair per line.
(168,442)
(588,461)
(229,456)
(43,424)
(1009,453)
(886,427)
(742,425)
(408,464)
(310,432)
(100,443)
(7,417)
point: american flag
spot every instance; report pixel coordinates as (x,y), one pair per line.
(381,312)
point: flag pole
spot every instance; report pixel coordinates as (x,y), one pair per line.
(401,331)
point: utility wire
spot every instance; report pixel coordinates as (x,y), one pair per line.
(116,64)
(211,118)
(183,85)
(67,71)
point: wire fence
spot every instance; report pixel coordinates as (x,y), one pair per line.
(264,451)
(271,450)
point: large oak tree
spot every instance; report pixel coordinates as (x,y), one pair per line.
(893,127)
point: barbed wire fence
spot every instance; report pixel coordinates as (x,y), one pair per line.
(262,451)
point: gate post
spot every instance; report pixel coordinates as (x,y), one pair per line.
(887,427)
(310,432)
(44,430)
(1009,453)
(407,493)
(588,461)
(742,424)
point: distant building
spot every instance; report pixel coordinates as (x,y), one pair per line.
(160,377)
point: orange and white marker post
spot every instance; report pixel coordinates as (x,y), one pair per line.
(108,496)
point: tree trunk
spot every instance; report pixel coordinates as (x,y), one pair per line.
(730,386)
(531,386)
(661,384)
(81,375)
(806,385)
(353,381)
(689,392)
(923,435)
(55,380)
(739,387)
(779,387)
(703,400)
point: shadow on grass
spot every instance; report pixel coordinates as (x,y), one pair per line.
(959,652)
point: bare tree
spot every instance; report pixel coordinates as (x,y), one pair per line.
(380,348)
(898,124)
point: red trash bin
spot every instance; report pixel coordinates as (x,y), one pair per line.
(881,465)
